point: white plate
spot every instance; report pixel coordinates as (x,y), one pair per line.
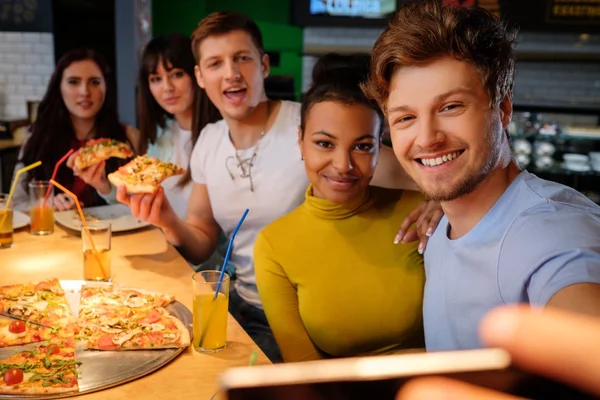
(20,220)
(118,215)
(577,167)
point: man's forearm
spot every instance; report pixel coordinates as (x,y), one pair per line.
(193,244)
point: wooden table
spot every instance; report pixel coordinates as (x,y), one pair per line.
(142,259)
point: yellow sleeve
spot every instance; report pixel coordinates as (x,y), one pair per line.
(280,302)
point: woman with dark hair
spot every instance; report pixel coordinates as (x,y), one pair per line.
(172,110)
(79,105)
(331,282)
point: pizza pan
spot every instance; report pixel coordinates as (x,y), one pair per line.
(104,369)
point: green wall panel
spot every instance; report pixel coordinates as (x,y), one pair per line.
(272,17)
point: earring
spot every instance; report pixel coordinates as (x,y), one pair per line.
(302,157)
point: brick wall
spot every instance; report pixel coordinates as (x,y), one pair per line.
(26,63)
(572,79)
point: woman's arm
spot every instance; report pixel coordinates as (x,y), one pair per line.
(280,302)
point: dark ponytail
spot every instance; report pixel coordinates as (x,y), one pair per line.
(337,78)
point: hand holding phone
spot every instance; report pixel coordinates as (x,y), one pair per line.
(562,346)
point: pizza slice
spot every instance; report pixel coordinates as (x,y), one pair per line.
(97,150)
(147,328)
(16,332)
(44,370)
(92,295)
(43,302)
(144,174)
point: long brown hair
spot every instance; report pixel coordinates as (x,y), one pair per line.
(52,133)
(423,31)
(173,51)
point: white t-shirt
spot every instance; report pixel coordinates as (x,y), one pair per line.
(278,177)
(175,145)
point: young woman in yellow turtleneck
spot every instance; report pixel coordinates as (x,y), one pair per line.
(331,280)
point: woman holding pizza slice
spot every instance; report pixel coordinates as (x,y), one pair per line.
(79,105)
(172,110)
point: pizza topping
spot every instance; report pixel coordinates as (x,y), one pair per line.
(52,349)
(89,312)
(135,302)
(13,376)
(124,336)
(152,317)
(156,327)
(20,310)
(23,367)
(17,327)
(171,336)
(58,370)
(106,342)
(40,305)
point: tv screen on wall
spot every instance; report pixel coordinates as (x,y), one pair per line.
(343,12)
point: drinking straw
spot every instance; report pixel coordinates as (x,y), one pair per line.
(58,163)
(225,260)
(84,222)
(228,253)
(253,358)
(14,185)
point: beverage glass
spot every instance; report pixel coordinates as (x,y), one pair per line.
(41,213)
(96,257)
(210,314)
(6,227)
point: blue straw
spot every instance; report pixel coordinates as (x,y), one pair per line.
(228,253)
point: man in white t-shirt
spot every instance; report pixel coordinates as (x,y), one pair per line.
(250,159)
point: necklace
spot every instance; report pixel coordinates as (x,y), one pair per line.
(245,164)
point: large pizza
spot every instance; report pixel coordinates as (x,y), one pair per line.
(111,318)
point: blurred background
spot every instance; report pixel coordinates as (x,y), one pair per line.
(555,130)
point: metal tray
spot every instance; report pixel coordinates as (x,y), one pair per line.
(104,369)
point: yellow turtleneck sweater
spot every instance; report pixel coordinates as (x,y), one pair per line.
(333,283)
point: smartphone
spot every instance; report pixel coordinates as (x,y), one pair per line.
(381,377)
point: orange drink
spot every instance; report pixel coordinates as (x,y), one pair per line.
(6,227)
(42,220)
(210,313)
(96,243)
(41,209)
(92,263)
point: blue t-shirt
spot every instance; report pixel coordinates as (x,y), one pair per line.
(538,238)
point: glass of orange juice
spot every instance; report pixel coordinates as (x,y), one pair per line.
(210,313)
(6,223)
(96,238)
(41,210)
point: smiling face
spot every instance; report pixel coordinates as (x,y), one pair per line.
(443,130)
(340,148)
(172,89)
(83,89)
(232,72)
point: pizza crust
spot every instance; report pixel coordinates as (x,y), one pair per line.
(134,188)
(28,388)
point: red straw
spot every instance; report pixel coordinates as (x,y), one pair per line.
(62,160)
